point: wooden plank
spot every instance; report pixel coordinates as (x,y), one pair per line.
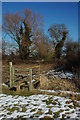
(22,75)
(11,74)
(30,86)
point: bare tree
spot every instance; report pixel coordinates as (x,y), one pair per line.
(21,27)
(8,48)
(43,47)
(0,39)
(58,34)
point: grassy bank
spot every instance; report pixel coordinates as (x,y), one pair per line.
(25,92)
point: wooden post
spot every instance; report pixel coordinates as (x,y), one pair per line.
(18,88)
(11,74)
(39,71)
(30,86)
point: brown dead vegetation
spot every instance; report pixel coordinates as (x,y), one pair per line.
(58,84)
(45,83)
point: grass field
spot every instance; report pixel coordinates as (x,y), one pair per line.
(55,98)
(46,83)
(38,106)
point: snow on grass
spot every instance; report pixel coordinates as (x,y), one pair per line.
(53,91)
(60,74)
(38,106)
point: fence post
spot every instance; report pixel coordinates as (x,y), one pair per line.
(11,74)
(39,71)
(30,86)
